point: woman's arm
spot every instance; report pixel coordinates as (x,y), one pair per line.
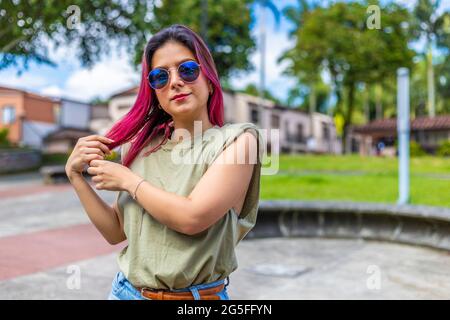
(217,191)
(104,217)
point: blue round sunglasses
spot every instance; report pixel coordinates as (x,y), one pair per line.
(188,71)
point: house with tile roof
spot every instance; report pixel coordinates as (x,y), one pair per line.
(426,131)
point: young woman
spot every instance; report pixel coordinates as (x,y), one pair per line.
(188,185)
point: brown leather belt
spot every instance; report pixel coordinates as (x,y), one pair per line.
(205,294)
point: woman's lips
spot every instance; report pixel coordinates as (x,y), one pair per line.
(182,97)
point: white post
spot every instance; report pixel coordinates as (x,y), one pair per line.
(403,134)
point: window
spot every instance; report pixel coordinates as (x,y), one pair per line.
(8,114)
(300,137)
(287,133)
(254,113)
(325,131)
(275,121)
(123,107)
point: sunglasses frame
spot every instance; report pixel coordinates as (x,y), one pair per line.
(169,73)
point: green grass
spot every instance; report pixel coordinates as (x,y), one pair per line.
(368,164)
(355,178)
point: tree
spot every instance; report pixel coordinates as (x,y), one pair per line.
(443,69)
(337,39)
(305,68)
(228,29)
(429,25)
(253,90)
(26,28)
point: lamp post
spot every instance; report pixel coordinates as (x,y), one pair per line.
(403,134)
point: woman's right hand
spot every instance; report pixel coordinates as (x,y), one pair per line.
(87,149)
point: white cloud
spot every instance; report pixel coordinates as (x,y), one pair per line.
(106,77)
(25,81)
(63,54)
(52,90)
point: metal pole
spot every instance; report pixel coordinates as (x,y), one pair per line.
(262,75)
(403,134)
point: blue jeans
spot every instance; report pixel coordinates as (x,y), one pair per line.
(122,289)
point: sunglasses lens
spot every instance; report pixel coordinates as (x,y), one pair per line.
(189,71)
(158,78)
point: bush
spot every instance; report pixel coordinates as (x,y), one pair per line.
(4,142)
(415,150)
(54,158)
(444,149)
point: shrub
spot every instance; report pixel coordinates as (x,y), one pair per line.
(444,148)
(415,150)
(4,142)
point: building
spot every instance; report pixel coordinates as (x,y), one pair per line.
(100,121)
(35,120)
(379,136)
(297,131)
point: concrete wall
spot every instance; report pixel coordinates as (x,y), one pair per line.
(18,160)
(75,114)
(410,224)
(119,106)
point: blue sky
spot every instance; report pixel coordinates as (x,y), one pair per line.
(113,73)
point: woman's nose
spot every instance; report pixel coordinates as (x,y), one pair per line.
(175,78)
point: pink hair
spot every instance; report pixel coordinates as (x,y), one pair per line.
(145,120)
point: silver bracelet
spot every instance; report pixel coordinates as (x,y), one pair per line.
(134,195)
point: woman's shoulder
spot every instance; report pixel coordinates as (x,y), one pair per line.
(229,133)
(234,130)
(239,125)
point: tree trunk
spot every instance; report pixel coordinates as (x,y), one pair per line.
(378,101)
(430,81)
(366,103)
(312,108)
(348,118)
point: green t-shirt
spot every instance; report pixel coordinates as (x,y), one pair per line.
(162,258)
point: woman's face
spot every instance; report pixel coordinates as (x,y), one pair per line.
(170,56)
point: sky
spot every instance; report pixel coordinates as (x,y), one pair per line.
(114,73)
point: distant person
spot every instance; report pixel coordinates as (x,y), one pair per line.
(183,203)
(380,148)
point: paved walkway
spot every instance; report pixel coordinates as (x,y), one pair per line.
(47,243)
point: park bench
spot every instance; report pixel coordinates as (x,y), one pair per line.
(53,174)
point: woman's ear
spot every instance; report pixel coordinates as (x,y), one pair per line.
(211,88)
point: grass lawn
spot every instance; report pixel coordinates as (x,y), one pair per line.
(355,178)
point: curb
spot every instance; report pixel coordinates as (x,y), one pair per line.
(408,224)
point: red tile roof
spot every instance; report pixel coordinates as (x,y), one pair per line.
(30,94)
(419,123)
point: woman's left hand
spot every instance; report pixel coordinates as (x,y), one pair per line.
(109,175)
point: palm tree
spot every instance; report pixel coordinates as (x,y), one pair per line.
(296,15)
(428,24)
